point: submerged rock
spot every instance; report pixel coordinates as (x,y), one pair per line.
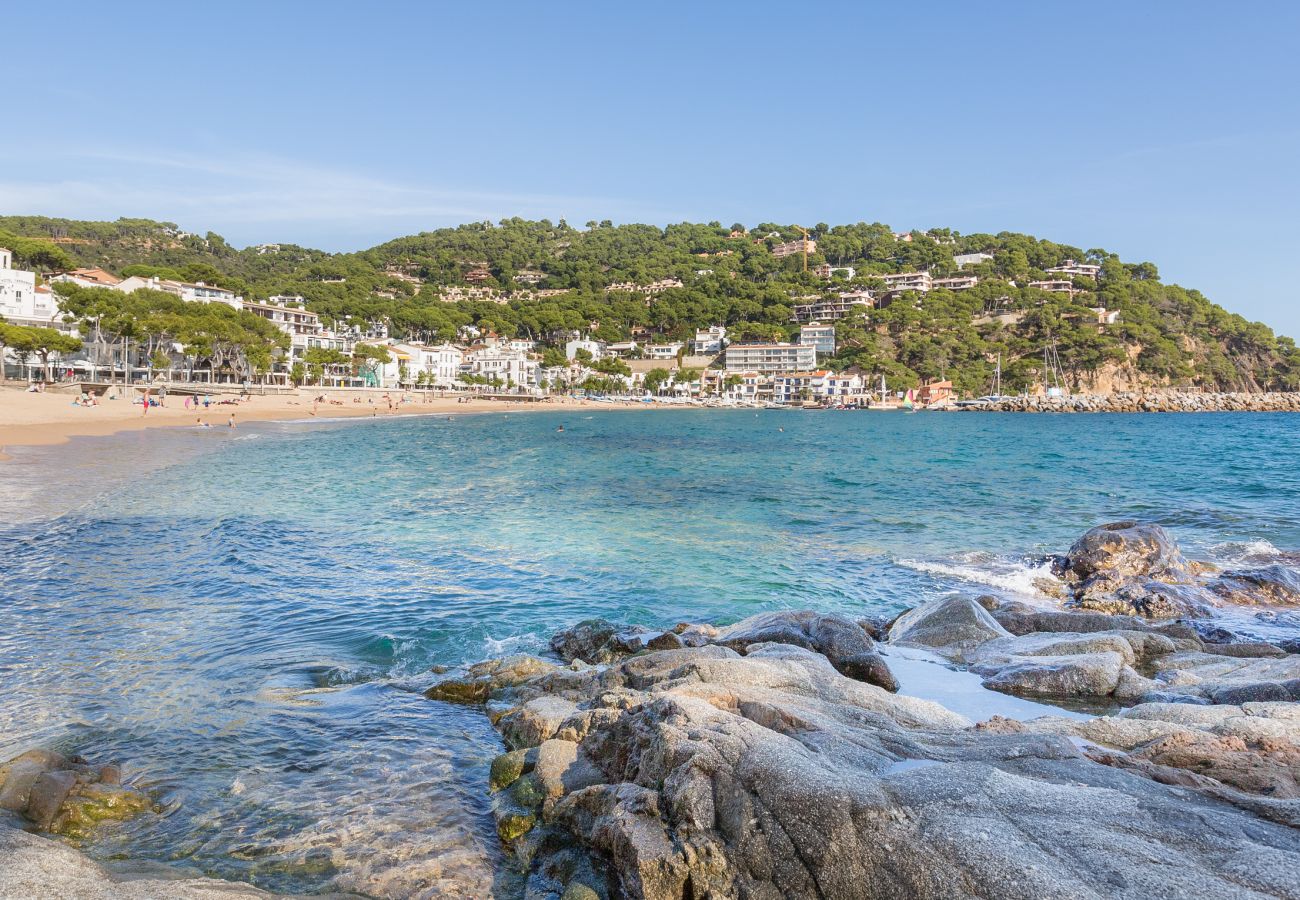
(699,772)
(34,866)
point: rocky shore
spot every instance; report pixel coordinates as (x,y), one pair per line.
(774,757)
(1152,401)
(784,756)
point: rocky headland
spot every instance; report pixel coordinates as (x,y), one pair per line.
(777,757)
(1147,401)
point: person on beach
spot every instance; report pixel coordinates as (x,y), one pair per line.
(145,403)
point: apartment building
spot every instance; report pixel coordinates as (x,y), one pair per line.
(770,359)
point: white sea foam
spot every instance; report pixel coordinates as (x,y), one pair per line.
(508,645)
(1016,577)
(1238,552)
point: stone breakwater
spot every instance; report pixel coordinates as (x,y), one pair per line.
(1158,401)
(777,758)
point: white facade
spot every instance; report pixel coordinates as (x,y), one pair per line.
(907,281)
(442,364)
(595,348)
(971,259)
(197,292)
(830,309)
(1055,286)
(823,387)
(710,340)
(819,337)
(663,351)
(1075,269)
(956,283)
(511,367)
(770,359)
(20,301)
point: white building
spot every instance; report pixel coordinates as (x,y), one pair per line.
(971,259)
(820,386)
(87,278)
(831,309)
(1076,270)
(770,359)
(1106,316)
(21,302)
(622,348)
(818,336)
(1055,286)
(196,292)
(907,281)
(512,368)
(826,270)
(595,348)
(956,283)
(709,341)
(663,351)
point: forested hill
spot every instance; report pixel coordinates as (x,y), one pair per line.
(556,279)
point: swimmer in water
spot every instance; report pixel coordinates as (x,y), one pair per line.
(561,428)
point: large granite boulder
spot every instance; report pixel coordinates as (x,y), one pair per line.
(1133,568)
(842,641)
(1121,550)
(703,773)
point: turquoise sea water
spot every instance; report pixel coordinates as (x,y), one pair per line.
(245,619)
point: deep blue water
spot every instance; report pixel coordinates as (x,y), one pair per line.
(246,619)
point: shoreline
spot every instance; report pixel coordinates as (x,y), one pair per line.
(50,419)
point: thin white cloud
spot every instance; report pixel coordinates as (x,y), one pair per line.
(245,191)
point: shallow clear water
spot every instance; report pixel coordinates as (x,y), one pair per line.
(246,619)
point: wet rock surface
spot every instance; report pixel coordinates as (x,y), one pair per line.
(707,772)
(1135,569)
(844,643)
(66,795)
(36,867)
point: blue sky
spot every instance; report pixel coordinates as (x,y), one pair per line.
(1163,131)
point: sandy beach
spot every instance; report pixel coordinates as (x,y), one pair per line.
(34,419)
